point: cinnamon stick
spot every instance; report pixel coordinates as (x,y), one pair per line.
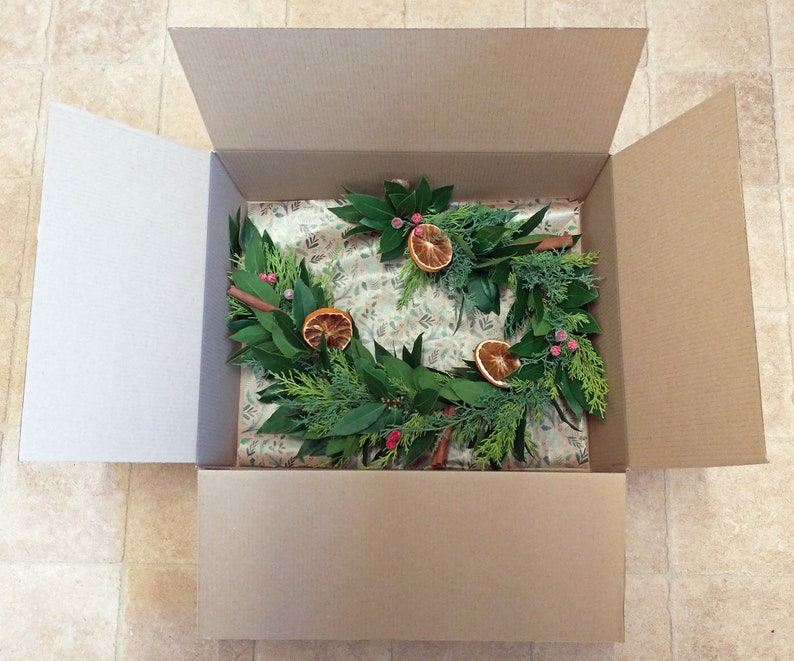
(250,300)
(439,459)
(554,243)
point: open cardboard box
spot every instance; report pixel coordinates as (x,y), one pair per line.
(128,341)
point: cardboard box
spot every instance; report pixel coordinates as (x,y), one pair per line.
(128,343)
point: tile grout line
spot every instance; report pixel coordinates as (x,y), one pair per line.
(161,108)
(669,545)
(121,610)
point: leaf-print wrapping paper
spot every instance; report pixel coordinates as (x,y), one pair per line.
(369,291)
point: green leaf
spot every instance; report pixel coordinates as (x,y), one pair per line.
(425,379)
(302,302)
(358,419)
(533,223)
(523,248)
(375,224)
(234,233)
(579,295)
(239,324)
(501,274)
(336,446)
(416,351)
(390,240)
(418,448)
(516,316)
(398,252)
(483,292)
(530,345)
(440,198)
(569,393)
(356,349)
(395,199)
(248,233)
(271,361)
(250,283)
(425,400)
(539,327)
(283,420)
(272,393)
(537,303)
(377,381)
(423,196)
(463,390)
(254,258)
(312,448)
(464,247)
(590,326)
(348,213)
(528,372)
(251,335)
(371,207)
(289,343)
(519,444)
(358,229)
(381,351)
(488,237)
(407,207)
(398,370)
(394,188)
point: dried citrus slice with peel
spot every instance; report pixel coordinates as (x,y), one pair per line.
(336,325)
(430,248)
(494,361)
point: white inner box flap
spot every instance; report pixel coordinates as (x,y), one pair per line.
(116,324)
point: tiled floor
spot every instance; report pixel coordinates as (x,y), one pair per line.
(98,561)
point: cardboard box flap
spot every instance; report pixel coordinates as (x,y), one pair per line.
(114,353)
(377,90)
(690,368)
(411,555)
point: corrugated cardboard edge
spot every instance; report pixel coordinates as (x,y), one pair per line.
(106,380)
(440,90)
(219,388)
(324,554)
(692,393)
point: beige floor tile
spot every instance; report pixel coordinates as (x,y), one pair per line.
(708,34)
(672,93)
(341,13)
(573,652)
(31,239)
(181,119)
(734,520)
(781,27)
(766,247)
(60,512)
(24,34)
(635,121)
(784,93)
(19,110)
(159,619)
(646,523)
(58,611)
(16,383)
(774,357)
(14,203)
(335,650)
(8,315)
(107,31)
(464,14)
(732,618)
(227,13)
(647,620)
(125,93)
(441,651)
(161,523)
(579,14)
(788,225)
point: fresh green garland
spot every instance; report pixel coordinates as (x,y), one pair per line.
(389,408)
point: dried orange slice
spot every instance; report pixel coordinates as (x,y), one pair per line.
(430,248)
(336,325)
(494,361)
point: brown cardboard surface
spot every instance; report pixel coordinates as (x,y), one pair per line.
(300,175)
(692,395)
(608,440)
(410,555)
(498,90)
